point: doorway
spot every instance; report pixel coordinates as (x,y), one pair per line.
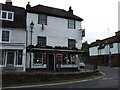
(10,59)
(51,62)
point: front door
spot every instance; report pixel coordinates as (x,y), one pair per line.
(10,59)
(51,62)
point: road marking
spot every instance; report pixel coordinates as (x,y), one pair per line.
(107,78)
(110,78)
(104,78)
(116,67)
(53,84)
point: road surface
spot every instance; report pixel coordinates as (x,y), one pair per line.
(110,80)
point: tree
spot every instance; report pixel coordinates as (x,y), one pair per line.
(85,48)
(85,55)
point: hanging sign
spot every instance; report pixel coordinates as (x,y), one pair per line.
(43,27)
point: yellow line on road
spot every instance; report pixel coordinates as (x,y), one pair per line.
(53,84)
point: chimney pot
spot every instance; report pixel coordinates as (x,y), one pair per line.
(8,2)
(70,10)
(28,5)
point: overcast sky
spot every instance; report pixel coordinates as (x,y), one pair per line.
(100,16)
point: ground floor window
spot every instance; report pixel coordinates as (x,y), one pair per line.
(3,57)
(69,59)
(38,58)
(73,59)
(19,55)
(65,58)
(11,57)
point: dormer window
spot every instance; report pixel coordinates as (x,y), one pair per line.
(6,15)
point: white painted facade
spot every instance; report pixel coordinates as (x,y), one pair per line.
(119,48)
(17,42)
(56,31)
(94,51)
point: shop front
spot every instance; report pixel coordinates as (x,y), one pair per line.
(54,59)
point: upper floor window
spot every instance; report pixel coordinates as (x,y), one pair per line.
(41,41)
(5,36)
(7,15)
(111,45)
(71,43)
(71,23)
(42,19)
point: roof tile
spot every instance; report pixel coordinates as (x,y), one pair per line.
(53,12)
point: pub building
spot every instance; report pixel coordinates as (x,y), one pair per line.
(53,39)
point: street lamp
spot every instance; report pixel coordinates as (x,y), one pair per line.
(31,27)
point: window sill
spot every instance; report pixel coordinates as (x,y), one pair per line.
(38,64)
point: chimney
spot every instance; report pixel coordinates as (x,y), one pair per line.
(70,10)
(8,2)
(117,33)
(28,6)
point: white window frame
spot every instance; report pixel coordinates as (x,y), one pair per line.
(42,19)
(4,65)
(71,24)
(16,60)
(7,15)
(9,36)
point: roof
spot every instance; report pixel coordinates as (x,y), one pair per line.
(104,42)
(19,16)
(53,12)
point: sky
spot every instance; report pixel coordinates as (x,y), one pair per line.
(100,16)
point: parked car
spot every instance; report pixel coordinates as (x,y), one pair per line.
(82,64)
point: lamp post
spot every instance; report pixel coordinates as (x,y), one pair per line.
(31,27)
(31,31)
(110,62)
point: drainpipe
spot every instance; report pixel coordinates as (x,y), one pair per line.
(24,62)
(118,50)
(78,61)
(26,41)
